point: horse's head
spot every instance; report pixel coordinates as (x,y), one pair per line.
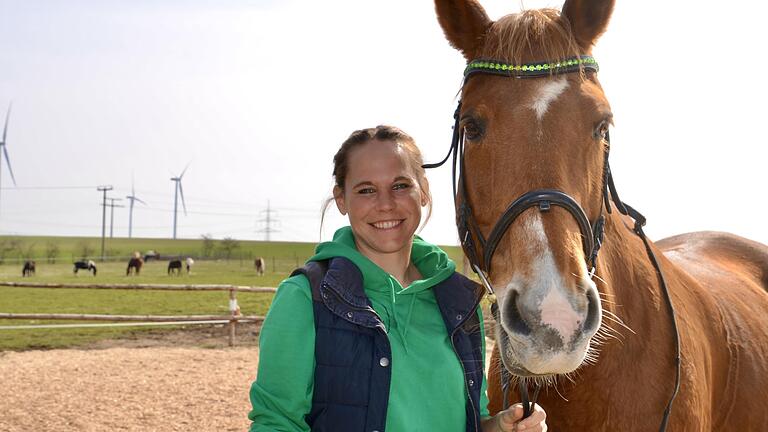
(527,134)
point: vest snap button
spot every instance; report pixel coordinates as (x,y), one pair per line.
(349,315)
(325,296)
(384,362)
(458,317)
(471,383)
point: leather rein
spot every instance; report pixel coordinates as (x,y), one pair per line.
(480,250)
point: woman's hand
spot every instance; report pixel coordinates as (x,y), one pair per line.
(509,420)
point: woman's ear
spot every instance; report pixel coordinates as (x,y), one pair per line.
(424,186)
(338,196)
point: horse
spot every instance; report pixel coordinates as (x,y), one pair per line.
(174,266)
(640,336)
(135,264)
(190,263)
(151,255)
(85,265)
(29,269)
(259,265)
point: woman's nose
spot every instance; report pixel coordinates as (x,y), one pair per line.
(385,201)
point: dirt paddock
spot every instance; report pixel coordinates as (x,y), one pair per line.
(154,382)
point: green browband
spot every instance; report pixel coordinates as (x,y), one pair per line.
(531,70)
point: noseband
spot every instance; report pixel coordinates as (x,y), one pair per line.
(592,233)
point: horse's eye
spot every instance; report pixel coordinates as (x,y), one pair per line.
(602,130)
(473,129)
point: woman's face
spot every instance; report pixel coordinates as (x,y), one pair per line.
(381,197)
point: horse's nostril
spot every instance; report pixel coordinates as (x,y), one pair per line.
(512,317)
(593,311)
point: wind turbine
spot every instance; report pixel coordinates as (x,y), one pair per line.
(132,197)
(179,190)
(3,146)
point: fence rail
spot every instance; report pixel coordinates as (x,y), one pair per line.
(232,319)
(159,287)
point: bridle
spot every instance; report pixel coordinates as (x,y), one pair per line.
(480,250)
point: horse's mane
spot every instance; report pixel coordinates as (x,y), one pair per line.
(530,36)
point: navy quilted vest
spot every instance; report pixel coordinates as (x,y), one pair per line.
(352,352)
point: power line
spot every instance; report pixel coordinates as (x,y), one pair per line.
(46,187)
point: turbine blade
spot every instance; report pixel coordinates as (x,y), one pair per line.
(7,116)
(10,170)
(181,192)
(133,189)
(185,170)
(136,199)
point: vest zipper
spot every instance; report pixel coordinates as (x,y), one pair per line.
(469,393)
(453,345)
(382,329)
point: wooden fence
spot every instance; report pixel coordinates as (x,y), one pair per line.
(232,319)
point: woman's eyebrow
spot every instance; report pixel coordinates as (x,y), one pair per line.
(363,183)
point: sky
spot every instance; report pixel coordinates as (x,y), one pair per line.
(256,96)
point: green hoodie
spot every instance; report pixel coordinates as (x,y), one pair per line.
(427,390)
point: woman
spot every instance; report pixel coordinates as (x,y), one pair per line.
(391,340)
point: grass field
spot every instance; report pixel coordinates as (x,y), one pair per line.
(280,258)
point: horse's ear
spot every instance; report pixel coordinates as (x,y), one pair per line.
(464,23)
(589,19)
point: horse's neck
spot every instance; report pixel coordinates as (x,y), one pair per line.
(631,291)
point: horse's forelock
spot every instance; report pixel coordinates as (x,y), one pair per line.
(531,36)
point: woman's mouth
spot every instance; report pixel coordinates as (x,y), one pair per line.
(385,225)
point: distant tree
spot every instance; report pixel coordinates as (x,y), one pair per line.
(208,245)
(52,251)
(85,249)
(227,246)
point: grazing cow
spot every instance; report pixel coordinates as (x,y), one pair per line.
(85,265)
(190,263)
(174,266)
(29,269)
(259,265)
(134,264)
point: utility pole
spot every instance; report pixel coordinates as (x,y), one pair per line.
(268,221)
(103,189)
(112,206)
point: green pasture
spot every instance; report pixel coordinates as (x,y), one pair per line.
(280,259)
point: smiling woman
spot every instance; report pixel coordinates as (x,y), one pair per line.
(378,331)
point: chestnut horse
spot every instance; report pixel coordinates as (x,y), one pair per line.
(531,143)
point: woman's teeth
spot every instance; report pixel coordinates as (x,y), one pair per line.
(387,224)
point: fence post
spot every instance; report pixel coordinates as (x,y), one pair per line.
(234,310)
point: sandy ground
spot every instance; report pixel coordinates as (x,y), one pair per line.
(155,381)
(158,383)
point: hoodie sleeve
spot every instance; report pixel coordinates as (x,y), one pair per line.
(282,393)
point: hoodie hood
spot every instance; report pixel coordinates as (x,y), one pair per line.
(433,263)
(395,304)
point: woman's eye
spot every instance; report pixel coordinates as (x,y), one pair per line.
(365,191)
(401,186)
